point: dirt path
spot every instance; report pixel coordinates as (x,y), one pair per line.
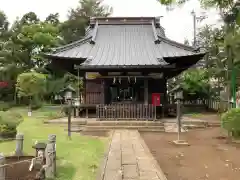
(130,159)
(209,156)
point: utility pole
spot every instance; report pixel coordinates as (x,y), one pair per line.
(196,19)
(194,28)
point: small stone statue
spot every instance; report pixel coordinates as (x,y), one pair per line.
(37,162)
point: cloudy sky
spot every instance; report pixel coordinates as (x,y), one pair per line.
(178,22)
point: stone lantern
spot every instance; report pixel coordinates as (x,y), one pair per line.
(178,96)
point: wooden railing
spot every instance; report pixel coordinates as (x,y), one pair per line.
(126,111)
(211,104)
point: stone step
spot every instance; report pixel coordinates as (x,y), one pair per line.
(123,127)
(214,124)
(124,123)
(104,128)
(65,122)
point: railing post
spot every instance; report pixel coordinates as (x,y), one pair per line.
(2,169)
(50,154)
(19,145)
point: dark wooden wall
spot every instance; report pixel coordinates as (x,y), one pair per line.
(98,92)
(93,92)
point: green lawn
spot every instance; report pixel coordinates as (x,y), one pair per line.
(78,159)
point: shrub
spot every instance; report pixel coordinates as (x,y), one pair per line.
(4,106)
(8,123)
(231,121)
(7,132)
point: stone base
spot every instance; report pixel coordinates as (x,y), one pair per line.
(181,143)
(173,128)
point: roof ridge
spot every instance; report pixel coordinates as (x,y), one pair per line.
(94,35)
(177,44)
(156,39)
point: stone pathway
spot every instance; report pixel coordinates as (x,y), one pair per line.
(130,159)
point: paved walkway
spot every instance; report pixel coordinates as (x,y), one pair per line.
(130,159)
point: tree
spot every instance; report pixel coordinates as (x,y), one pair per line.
(4,25)
(26,46)
(29,18)
(74,28)
(22,50)
(195,84)
(30,85)
(53,19)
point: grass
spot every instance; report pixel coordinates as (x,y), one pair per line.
(77,159)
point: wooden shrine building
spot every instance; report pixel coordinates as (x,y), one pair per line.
(125,63)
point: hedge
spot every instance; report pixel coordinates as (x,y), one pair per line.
(231,121)
(9,122)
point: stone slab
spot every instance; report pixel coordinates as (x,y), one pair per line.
(130,171)
(128,158)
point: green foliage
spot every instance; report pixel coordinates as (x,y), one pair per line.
(7,132)
(195,84)
(31,84)
(8,123)
(53,19)
(4,106)
(231,121)
(4,24)
(36,103)
(23,44)
(78,18)
(195,81)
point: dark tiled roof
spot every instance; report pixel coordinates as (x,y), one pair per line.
(124,45)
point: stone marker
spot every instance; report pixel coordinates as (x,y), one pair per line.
(50,154)
(2,169)
(19,145)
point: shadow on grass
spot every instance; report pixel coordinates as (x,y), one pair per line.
(65,171)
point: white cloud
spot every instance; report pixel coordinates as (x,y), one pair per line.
(178,23)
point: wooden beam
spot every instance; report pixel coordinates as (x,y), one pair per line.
(106,77)
(145,91)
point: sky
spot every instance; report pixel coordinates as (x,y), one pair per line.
(178,23)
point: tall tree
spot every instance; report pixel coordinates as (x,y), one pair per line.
(22,50)
(74,28)
(53,19)
(4,25)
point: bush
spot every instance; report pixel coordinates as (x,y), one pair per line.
(7,132)
(9,122)
(4,106)
(231,121)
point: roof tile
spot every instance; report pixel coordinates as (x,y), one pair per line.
(123,45)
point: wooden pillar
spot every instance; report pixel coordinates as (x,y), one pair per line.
(85,94)
(164,101)
(102,91)
(84,89)
(146,91)
(2,169)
